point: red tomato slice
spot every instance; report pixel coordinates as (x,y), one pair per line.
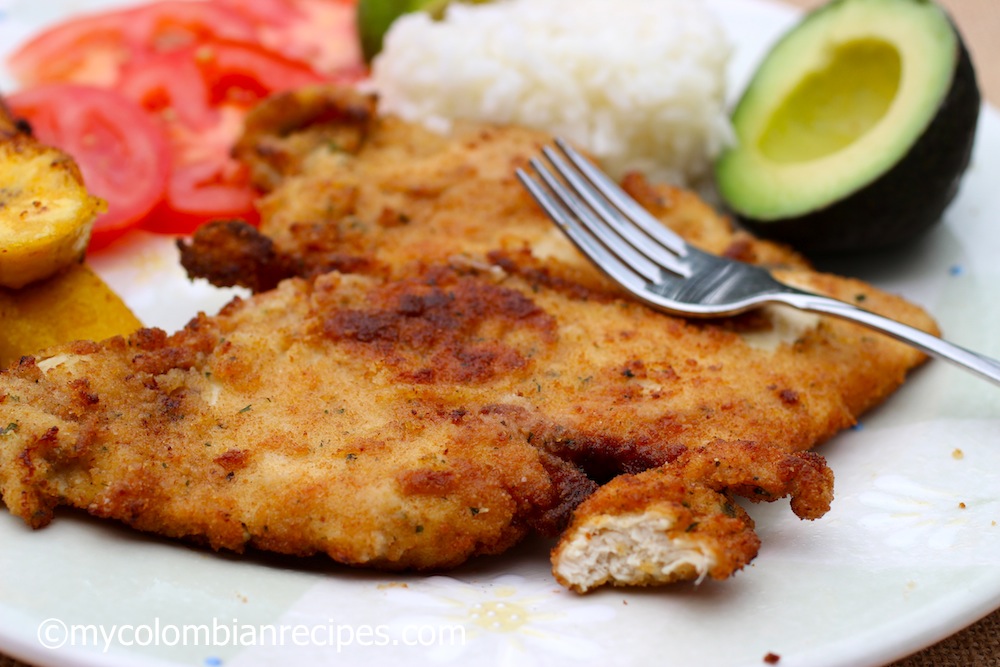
(195,67)
(243,74)
(204,191)
(170,85)
(122,153)
(206,182)
(202,93)
(322,33)
(87,49)
(188,85)
(170,24)
(264,12)
(92,49)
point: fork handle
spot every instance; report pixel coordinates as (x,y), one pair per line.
(981,365)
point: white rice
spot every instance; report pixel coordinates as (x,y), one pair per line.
(639,83)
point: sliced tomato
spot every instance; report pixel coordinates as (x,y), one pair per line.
(87,49)
(93,49)
(188,85)
(201,192)
(241,73)
(322,33)
(264,12)
(193,68)
(171,85)
(201,94)
(206,182)
(123,154)
(170,24)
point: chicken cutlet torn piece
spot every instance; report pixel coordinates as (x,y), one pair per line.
(679,522)
(653,529)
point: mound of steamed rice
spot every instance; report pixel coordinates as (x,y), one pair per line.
(639,83)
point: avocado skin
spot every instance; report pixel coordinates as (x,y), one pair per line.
(904,202)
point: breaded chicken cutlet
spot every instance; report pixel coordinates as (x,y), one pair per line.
(429,372)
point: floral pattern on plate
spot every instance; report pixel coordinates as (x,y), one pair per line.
(519,621)
(915,515)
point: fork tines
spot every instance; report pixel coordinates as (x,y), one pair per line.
(603,221)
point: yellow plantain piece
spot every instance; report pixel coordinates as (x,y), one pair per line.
(72,305)
(48,295)
(46,213)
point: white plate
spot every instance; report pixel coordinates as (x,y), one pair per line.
(908,555)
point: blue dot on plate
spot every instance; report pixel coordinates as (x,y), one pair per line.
(213,662)
(956,270)
(858,426)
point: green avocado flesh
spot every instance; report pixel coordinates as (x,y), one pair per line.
(830,110)
(855,130)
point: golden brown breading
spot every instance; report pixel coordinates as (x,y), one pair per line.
(396,198)
(267,425)
(394,195)
(406,424)
(439,373)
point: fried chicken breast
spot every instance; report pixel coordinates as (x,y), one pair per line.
(429,371)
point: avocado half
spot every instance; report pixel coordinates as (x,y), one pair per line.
(856,129)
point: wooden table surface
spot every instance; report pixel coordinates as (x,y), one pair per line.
(979,23)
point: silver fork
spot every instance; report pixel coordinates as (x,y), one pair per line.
(659,268)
